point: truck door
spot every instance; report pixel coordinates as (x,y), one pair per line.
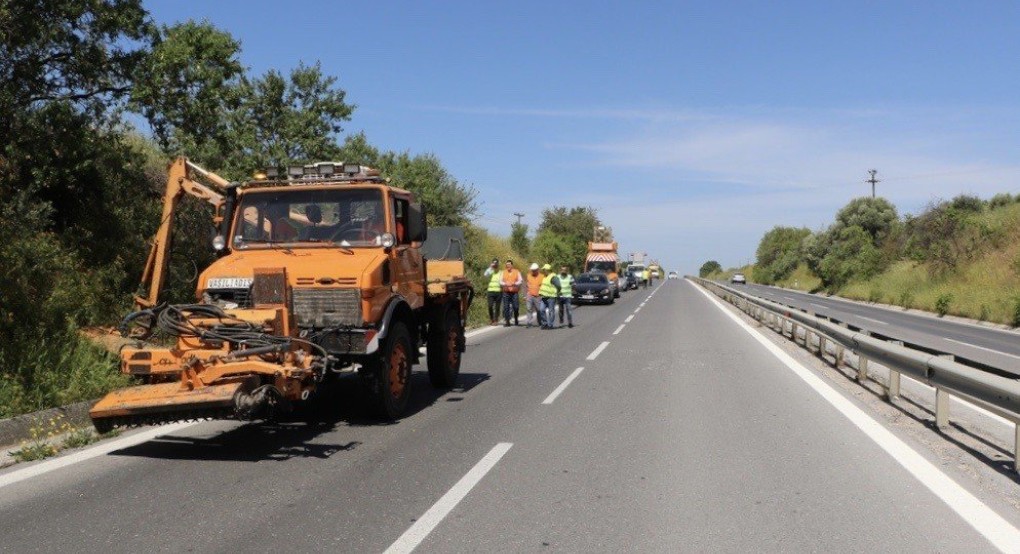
(408,267)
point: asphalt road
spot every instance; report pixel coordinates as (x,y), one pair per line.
(985,345)
(683,433)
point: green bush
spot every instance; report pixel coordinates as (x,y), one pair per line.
(906,299)
(1016,312)
(1001,199)
(942,303)
(875,296)
(984,313)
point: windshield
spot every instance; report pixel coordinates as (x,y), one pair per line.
(603,266)
(346,217)
(586,278)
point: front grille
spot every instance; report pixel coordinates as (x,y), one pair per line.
(340,342)
(241,297)
(321,308)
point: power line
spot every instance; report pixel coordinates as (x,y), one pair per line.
(519,216)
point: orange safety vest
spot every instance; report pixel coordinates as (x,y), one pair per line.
(534,283)
(509,280)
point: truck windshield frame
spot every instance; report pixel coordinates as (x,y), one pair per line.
(348,217)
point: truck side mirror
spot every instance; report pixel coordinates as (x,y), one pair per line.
(417,229)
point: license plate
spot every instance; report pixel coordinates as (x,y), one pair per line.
(228,283)
(589,296)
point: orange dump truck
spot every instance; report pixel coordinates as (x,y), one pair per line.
(602,257)
(321,270)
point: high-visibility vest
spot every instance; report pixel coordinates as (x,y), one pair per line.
(548,289)
(534,284)
(494,281)
(566,286)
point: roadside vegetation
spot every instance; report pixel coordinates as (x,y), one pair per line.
(957,257)
(81,186)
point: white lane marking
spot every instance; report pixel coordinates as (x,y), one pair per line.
(629,318)
(977,514)
(871,320)
(983,348)
(432,518)
(480,331)
(618,329)
(563,386)
(637,310)
(100,449)
(819,306)
(598,350)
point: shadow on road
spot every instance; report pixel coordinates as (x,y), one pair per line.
(339,404)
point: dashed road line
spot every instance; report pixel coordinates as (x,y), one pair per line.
(629,318)
(598,350)
(563,386)
(618,329)
(872,320)
(435,515)
(984,348)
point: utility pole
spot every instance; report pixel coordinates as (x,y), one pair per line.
(519,216)
(873,180)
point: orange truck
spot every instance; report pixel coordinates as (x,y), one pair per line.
(321,270)
(602,257)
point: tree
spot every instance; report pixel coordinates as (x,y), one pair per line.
(778,253)
(877,216)
(519,238)
(852,255)
(574,228)
(555,249)
(709,268)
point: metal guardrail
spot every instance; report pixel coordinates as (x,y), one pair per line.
(993,392)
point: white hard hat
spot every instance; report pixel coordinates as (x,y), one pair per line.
(534,267)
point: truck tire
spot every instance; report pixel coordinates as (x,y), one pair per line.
(388,377)
(444,344)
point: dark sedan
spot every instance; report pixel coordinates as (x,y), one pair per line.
(592,288)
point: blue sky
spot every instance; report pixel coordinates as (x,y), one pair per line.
(691,127)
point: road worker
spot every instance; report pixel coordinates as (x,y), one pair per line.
(494,293)
(533,301)
(510,283)
(549,290)
(566,296)
(646,277)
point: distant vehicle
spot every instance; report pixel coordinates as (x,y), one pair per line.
(738,279)
(673,275)
(629,281)
(592,288)
(637,270)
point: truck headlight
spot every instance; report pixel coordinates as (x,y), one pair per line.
(387,240)
(219,243)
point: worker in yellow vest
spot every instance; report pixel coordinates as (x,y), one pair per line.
(566,296)
(494,293)
(549,291)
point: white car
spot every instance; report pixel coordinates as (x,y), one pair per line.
(673,275)
(738,279)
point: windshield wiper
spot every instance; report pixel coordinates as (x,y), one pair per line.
(344,249)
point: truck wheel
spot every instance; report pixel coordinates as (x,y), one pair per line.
(445,336)
(389,379)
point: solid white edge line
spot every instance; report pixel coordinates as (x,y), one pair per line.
(629,318)
(435,515)
(1002,534)
(870,319)
(618,329)
(598,350)
(100,449)
(563,386)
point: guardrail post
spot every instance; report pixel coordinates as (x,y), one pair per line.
(821,346)
(941,408)
(793,332)
(1016,446)
(862,369)
(892,389)
(838,362)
